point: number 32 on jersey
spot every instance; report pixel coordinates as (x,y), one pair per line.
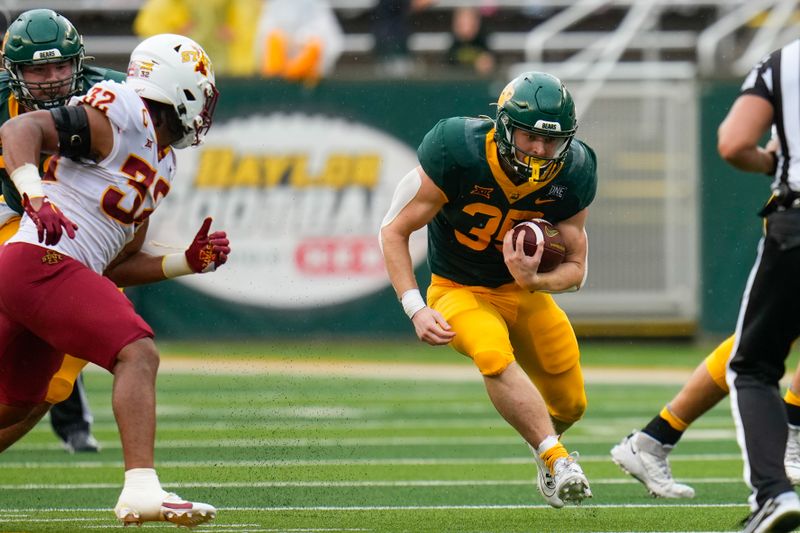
(141,176)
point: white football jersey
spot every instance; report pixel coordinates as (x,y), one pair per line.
(110,198)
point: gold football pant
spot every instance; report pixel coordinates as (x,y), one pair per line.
(717,362)
(497,326)
(63,381)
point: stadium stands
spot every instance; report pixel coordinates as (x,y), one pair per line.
(668,35)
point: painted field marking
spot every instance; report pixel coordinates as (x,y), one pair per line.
(412,508)
(330,484)
(355,462)
(386,441)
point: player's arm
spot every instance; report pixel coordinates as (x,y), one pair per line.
(73,131)
(416,201)
(133,266)
(738,135)
(568,276)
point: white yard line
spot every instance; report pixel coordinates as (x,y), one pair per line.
(675,457)
(350,484)
(726,435)
(406,508)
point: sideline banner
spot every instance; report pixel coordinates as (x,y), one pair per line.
(301,196)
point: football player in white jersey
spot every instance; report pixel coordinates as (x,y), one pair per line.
(114,165)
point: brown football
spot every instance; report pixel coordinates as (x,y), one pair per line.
(539,230)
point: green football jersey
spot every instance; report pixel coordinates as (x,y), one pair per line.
(465,239)
(9,108)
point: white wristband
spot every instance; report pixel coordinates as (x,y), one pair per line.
(174,265)
(412,302)
(28,181)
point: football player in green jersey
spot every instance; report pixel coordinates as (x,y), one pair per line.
(476,180)
(43,58)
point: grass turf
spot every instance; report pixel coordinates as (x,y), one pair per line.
(306,453)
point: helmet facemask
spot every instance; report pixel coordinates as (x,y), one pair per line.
(53,93)
(530,166)
(194,133)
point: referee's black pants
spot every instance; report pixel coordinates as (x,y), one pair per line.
(769,321)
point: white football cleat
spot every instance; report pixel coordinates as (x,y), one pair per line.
(546,483)
(643,457)
(137,508)
(570,481)
(781,513)
(792,458)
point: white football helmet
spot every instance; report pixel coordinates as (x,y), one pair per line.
(174,69)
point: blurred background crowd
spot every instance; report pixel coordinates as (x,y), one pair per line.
(306,40)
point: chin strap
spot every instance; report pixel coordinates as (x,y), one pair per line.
(550,171)
(534,177)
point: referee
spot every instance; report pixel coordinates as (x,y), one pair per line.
(769,317)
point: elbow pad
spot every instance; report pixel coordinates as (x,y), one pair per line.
(74,134)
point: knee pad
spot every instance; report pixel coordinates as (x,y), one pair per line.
(570,407)
(62,382)
(717,362)
(59,389)
(491,363)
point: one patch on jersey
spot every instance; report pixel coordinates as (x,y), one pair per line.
(486,192)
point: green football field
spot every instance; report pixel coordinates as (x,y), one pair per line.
(325,437)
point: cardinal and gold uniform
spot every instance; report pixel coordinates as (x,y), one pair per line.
(496,322)
(62,382)
(85,314)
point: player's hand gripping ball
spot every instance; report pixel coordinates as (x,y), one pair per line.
(538,231)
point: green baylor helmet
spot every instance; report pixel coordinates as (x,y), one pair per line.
(37,37)
(537,103)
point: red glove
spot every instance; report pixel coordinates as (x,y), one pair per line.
(48,219)
(207,252)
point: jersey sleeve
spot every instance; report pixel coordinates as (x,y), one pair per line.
(586,166)
(92,75)
(122,106)
(114,75)
(437,159)
(759,80)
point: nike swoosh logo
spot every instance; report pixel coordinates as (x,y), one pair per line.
(540,201)
(184,505)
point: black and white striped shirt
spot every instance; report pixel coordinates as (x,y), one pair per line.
(777,79)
